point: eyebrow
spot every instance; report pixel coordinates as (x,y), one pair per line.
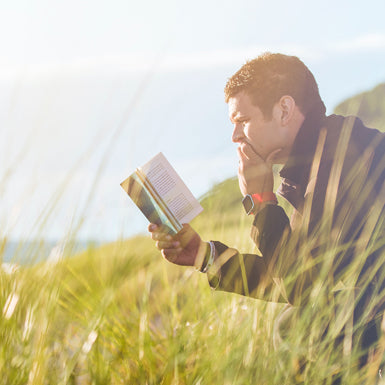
(238,118)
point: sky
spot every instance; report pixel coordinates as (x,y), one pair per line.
(89,90)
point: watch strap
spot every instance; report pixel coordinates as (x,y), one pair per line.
(257,201)
(267,196)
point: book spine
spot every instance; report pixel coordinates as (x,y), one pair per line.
(167,212)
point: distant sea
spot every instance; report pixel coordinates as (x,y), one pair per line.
(29,252)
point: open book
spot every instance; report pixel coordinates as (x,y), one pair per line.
(161,195)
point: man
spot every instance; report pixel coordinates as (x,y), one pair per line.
(333,176)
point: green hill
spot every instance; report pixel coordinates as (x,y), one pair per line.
(369,106)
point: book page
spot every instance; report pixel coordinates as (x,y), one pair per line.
(171,188)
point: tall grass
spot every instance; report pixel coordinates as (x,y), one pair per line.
(120,314)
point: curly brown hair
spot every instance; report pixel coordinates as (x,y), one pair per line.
(270,76)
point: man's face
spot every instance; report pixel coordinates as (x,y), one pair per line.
(264,136)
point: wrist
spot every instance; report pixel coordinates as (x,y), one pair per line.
(203,249)
(253,203)
(206,257)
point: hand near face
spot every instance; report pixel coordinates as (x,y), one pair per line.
(182,248)
(255,174)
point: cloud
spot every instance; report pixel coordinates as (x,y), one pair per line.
(369,42)
(174,61)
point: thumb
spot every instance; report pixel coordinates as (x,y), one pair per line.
(270,157)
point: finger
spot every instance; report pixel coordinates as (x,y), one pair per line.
(247,152)
(185,228)
(176,257)
(160,236)
(244,152)
(240,152)
(171,254)
(152,227)
(253,170)
(167,245)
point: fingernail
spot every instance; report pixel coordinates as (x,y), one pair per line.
(168,237)
(176,244)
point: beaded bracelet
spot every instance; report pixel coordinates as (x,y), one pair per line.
(209,258)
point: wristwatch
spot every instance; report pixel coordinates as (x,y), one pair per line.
(252,202)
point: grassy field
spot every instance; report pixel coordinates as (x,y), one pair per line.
(120,314)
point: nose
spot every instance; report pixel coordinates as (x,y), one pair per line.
(237,133)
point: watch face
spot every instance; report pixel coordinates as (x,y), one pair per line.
(248,204)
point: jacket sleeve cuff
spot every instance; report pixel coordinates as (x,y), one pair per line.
(214,273)
(268,228)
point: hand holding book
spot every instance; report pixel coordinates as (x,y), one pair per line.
(185,248)
(169,205)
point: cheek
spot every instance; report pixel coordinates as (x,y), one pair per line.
(283,138)
(252,134)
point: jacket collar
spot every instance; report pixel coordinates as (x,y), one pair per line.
(297,168)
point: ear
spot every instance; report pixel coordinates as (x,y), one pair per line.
(286,106)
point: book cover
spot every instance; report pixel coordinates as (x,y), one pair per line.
(161,195)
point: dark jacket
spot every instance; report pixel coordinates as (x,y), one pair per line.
(334,181)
